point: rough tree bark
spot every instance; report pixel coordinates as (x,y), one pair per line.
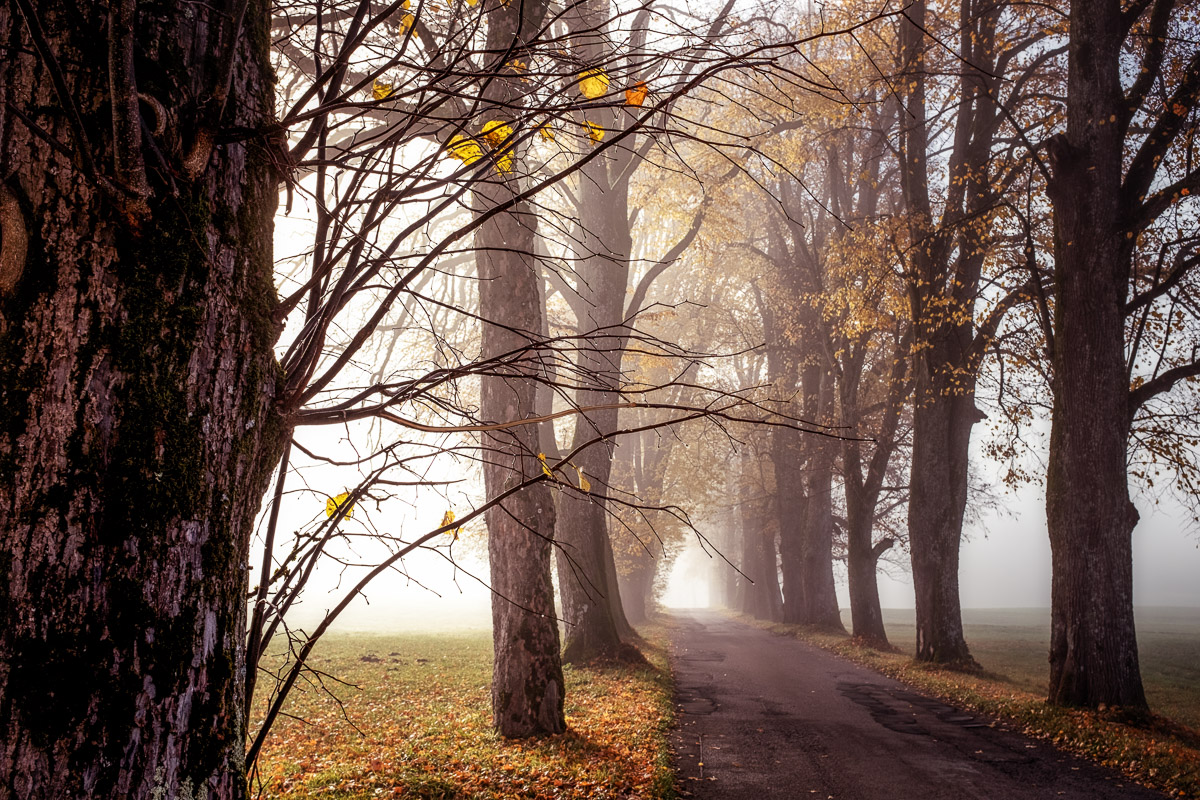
(527,679)
(137,391)
(1093,647)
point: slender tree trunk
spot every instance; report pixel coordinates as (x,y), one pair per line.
(587,578)
(591,629)
(942,293)
(527,679)
(137,392)
(724,577)
(1093,647)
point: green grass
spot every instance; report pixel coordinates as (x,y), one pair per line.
(411,718)
(1161,752)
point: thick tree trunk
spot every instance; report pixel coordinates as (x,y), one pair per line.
(937,501)
(527,679)
(1093,647)
(137,390)
(866,616)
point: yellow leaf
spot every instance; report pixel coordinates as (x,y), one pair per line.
(334,504)
(447,518)
(583,482)
(406,22)
(464,148)
(545,467)
(546,131)
(472,3)
(636,95)
(381,90)
(593,83)
(495,133)
(504,163)
(594,131)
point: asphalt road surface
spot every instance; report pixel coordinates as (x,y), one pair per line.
(766,716)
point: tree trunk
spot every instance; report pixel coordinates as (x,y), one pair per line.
(637,591)
(866,616)
(1093,647)
(617,607)
(759,589)
(724,577)
(937,500)
(527,679)
(946,258)
(788,459)
(137,392)
(587,580)
(591,630)
(820,592)
(591,598)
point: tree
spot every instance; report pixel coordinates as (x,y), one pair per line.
(952,241)
(139,390)
(527,682)
(1120,178)
(601,255)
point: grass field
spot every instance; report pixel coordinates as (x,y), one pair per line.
(1012,643)
(409,716)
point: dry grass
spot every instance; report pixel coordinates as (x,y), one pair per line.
(413,720)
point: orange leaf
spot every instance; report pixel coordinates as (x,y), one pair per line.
(636,95)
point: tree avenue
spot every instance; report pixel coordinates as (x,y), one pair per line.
(620,285)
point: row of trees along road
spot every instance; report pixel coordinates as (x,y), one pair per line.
(998,198)
(917,210)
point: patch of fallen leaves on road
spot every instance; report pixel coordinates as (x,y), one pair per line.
(413,720)
(1156,752)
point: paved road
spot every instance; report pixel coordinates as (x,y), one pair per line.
(766,716)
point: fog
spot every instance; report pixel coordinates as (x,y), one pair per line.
(1005,561)
(1005,564)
